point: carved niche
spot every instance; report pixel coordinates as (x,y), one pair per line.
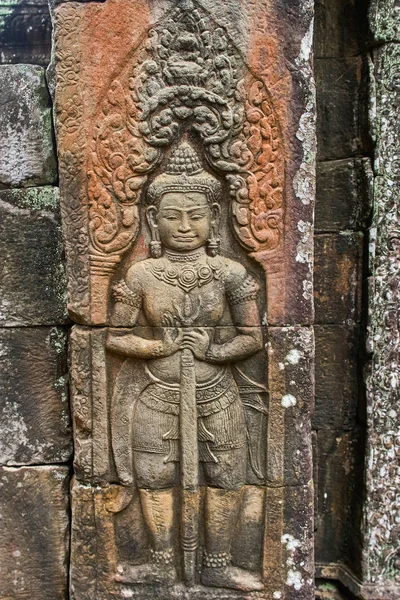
(186,483)
(186,79)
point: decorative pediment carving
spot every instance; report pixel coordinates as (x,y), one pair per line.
(186,78)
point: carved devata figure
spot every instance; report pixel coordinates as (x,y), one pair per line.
(187,410)
(185,121)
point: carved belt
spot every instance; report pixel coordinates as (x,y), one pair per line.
(212,396)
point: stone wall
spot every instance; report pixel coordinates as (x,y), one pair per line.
(357,511)
(36,442)
(343,207)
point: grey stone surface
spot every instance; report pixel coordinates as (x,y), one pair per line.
(344,194)
(291,403)
(34,533)
(26,135)
(34,408)
(32,264)
(337,25)
(381,556)
(339,111)
(384,19)
(338,277)
(25,32)
(336,377)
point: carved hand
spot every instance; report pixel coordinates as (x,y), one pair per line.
(172,340)
(198,341)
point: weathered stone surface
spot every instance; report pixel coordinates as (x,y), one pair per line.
(384,20)
(34,533)
(336,377)
(298,543)
(26,134)
(338,277)
(386,125)
(32,259)
(344,194)
(34,408)
(327,590)
(339,455)
(340,113)
(381,567)
(291,403)
(25,32)
(337,28)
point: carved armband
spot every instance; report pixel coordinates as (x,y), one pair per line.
(122,293)
(248,290)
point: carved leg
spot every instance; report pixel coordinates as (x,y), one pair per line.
(157,506)
(222,510)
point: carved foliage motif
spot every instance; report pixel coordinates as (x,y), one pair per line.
(71,137)
(186,77)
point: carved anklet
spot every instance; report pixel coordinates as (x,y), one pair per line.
(217,560)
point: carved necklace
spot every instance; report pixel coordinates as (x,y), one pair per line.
(194,270)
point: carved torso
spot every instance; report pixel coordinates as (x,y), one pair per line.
(193,293)
(188,291)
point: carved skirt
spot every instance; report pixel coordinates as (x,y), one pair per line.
(221,423)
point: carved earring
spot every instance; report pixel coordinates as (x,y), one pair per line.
(155,244)
(213,242)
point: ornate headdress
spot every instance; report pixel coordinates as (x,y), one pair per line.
(184,172)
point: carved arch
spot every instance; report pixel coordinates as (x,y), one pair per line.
(186,75)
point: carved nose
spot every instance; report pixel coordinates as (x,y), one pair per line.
(184,226)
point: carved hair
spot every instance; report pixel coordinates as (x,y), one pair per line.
(184,172)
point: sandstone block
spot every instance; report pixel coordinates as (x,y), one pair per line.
(338,493)
(336,377)
(288,559)
(97,387)
(26,134)
(25,32)
(339,111)
(33,271)
(338,277)
(34,408)
(337,29)
(34,533)
(344,194)
(291,403)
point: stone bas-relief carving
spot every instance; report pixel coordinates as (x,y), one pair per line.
(191,418)
(187,409)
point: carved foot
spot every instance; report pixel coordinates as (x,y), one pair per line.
(146,573)
(231,577)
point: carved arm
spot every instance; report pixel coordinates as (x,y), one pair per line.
(246,343)
(134,346)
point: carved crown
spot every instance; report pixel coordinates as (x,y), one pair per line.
(184,172)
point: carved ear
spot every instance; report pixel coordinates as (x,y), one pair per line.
(151,216)
(215,215)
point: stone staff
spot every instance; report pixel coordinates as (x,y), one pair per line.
(189,466)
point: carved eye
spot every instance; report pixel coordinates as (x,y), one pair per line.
(197,216)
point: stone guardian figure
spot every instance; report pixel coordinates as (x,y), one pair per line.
(182,415)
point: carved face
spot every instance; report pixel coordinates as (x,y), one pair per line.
(184,220)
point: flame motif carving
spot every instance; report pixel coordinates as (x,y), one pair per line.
(186,77)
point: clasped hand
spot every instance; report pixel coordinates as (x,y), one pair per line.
(196,340)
